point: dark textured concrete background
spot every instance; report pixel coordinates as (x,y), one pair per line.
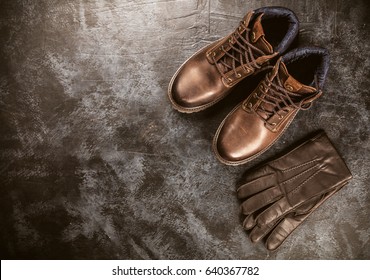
(95,164)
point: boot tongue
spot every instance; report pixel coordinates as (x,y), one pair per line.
(257,36)
(290,83)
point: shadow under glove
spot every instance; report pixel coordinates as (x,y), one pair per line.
(281,194)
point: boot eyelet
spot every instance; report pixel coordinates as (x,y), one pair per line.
(238,75)
(247,107)
(289,87)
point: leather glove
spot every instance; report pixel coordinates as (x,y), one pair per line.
(279,231)
(280,195)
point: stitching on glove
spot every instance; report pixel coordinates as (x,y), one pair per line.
(299,175)
(255,179)
(298,166)
(304,182)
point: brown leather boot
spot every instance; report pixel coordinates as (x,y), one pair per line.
(208,76)
(257,123)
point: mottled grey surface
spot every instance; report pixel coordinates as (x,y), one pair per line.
(95,164)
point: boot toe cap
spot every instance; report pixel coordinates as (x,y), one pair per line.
(196,86)
(240,138)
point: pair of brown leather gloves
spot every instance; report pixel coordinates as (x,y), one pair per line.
(278,196)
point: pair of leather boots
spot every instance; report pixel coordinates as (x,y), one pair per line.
(293,81)
(279,195)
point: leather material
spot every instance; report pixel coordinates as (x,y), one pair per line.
(278,196)
(322,68)
(209,75)
(289,17)
(275,234)
(256,124)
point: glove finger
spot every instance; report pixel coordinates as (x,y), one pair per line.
(275,229)
(261,200)
(292,220)
(249,221)
(255,186)
(282,231)
(258,232)
(276,211)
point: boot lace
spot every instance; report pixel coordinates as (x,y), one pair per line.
(241,53)
(280,99)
